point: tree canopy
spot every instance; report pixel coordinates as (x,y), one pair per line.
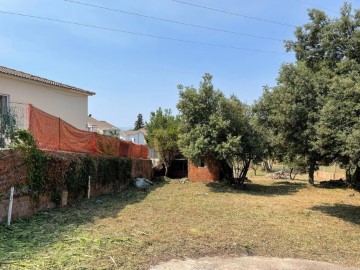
(217,127)
(313,112)
(162,135)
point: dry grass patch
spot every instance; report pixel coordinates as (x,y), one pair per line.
(134,230)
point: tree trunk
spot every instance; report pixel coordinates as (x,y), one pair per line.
(226,172)
(266,166)
(243,173)
(311,172)
(290,174)
(355,178)
(166,169)
(348,175)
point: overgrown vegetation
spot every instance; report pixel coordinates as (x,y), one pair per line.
(52,173)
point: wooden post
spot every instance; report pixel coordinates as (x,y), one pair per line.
(10,205)
(59,133)
(89,187)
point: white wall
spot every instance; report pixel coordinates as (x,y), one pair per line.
(137,138)
(70,106)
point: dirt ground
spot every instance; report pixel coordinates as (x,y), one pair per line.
(247,263)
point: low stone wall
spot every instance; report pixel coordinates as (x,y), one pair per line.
(23,206)
(13,174)
(209,173)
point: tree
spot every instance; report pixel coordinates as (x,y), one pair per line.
(162,135)
(290,111)
(298,109)
(139,123)
(332,47)
(338,130)
(218,128)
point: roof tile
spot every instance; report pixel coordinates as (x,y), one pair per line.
(20,74)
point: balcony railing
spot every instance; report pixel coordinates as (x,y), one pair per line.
(13,116)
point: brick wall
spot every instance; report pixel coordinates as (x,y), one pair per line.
(13,173)
(209,173)
(12,170)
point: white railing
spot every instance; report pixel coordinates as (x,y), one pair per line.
(13,116)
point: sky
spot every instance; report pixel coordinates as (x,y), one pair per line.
(133,73)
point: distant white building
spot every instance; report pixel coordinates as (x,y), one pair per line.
(104,128)
(138,137)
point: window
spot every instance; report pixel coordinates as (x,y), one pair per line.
(202,162)
(4,103)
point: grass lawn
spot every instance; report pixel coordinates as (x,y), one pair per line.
(134,230)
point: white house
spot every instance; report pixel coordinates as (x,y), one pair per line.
(67,102)
(136,136)
(104,128)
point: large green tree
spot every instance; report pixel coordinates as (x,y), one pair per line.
(312,111)
(338,130)
(219,128)
(162,135)
(332,47)
(290,112)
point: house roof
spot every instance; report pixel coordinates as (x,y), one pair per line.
(133,132)
(27,76)
(103,125)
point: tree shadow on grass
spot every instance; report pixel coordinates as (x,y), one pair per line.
(333,184)
(26,237)
(350,213)
(277,189)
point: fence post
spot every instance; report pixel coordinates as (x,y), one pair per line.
(89,187)
(59,132)
(10,205)
(28,117)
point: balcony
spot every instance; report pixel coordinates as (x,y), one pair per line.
(13,116)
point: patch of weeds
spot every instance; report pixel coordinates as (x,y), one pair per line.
(248,247)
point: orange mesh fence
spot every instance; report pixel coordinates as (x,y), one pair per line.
(52,133)
(134,151)
(45,128)
(123,149)
(75,140)
(144,152)
(106,145)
